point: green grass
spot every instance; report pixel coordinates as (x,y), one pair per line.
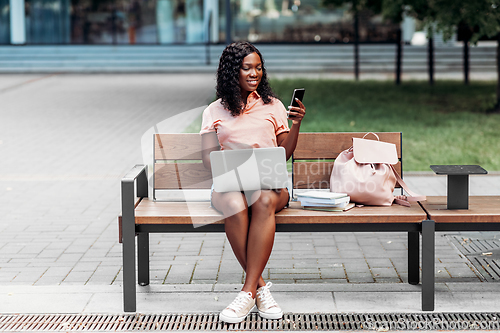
(441,124)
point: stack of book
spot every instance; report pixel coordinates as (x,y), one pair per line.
(323,200)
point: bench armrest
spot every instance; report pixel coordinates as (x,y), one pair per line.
(137,175)
(138,171)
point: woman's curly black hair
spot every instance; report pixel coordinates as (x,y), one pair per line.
(228,73)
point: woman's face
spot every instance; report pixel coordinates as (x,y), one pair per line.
(250,73)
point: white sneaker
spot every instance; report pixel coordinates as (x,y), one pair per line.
(268,308)
(239,309)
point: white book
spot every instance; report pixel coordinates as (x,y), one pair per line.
(321,195)
(331,209)
(312,201)
(316,204)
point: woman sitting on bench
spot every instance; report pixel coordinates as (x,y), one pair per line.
(248,115)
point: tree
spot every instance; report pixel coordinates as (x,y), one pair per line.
(422,10)
(375,6)
(482,16)
(483,19)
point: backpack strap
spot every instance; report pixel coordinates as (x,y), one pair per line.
(404,200)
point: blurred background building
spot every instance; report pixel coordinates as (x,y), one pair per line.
(305,36)
(112,22)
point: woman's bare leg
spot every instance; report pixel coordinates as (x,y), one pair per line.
(234,207)
(260,237)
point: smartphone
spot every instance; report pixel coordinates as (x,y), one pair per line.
(297,93)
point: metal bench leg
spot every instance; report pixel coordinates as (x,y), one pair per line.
(128,247)
(143,258)
(413,257)
(428,255)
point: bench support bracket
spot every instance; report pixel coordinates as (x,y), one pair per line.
(413,257)
(428,255)
(143,258)
(128,227)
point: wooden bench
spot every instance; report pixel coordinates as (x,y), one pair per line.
(178,166)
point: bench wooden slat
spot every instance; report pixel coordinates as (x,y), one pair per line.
(330,145)
(160,212)
(482,209)
(185,146)
(312,175)
(182,176)
(151,212)
(316,175)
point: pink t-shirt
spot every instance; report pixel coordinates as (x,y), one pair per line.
(256,127)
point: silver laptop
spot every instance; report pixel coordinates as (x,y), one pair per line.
(249,169)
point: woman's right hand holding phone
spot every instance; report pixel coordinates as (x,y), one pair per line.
(296,114)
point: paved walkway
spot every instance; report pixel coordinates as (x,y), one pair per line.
(65,142)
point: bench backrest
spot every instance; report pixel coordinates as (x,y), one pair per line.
(178,163)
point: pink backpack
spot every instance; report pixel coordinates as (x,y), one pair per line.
(366,173)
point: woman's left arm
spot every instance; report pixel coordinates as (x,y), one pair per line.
(289,140)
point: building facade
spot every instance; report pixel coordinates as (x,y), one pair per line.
(110,22)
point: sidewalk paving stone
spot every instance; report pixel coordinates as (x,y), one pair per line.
(359,277)
(229,278)
(333,273)
(58,232)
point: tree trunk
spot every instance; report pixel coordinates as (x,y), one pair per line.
(229,23)
(496,108)
(466,61)
(430,60)
(356,45)
(399,56)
